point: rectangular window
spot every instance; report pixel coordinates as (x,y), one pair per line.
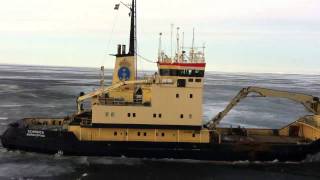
(191,96)
(177,96)
(154,115)
(181,83)
(164,72)
(159,115)
(107,114)
(112,114)
(129,114)
(198,80)
(190,80)
(181,72)
(181,116)
(134,114)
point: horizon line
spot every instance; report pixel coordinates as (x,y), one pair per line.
(208,71)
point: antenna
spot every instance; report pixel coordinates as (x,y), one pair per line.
(203,48)
(182,41)
(178,45)
(192,46)
(171,38)
(182,52)
(159,51)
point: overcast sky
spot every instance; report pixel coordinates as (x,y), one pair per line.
(240,35)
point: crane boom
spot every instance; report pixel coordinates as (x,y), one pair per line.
(311,103)
(105,90)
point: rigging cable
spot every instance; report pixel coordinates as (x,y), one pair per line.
(111,35)
(145,59)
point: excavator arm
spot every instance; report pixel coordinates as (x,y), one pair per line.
(311,103)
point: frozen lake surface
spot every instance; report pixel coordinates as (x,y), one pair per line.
(28,91)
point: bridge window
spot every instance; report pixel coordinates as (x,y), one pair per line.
(165,72)
(198,73)
(182,72)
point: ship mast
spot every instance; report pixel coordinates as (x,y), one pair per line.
(133,34)
(133,30)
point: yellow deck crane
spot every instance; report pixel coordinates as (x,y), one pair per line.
(311,103)
(103,90)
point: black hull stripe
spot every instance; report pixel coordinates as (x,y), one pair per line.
(54,141)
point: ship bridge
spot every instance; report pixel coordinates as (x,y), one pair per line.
(172,97)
